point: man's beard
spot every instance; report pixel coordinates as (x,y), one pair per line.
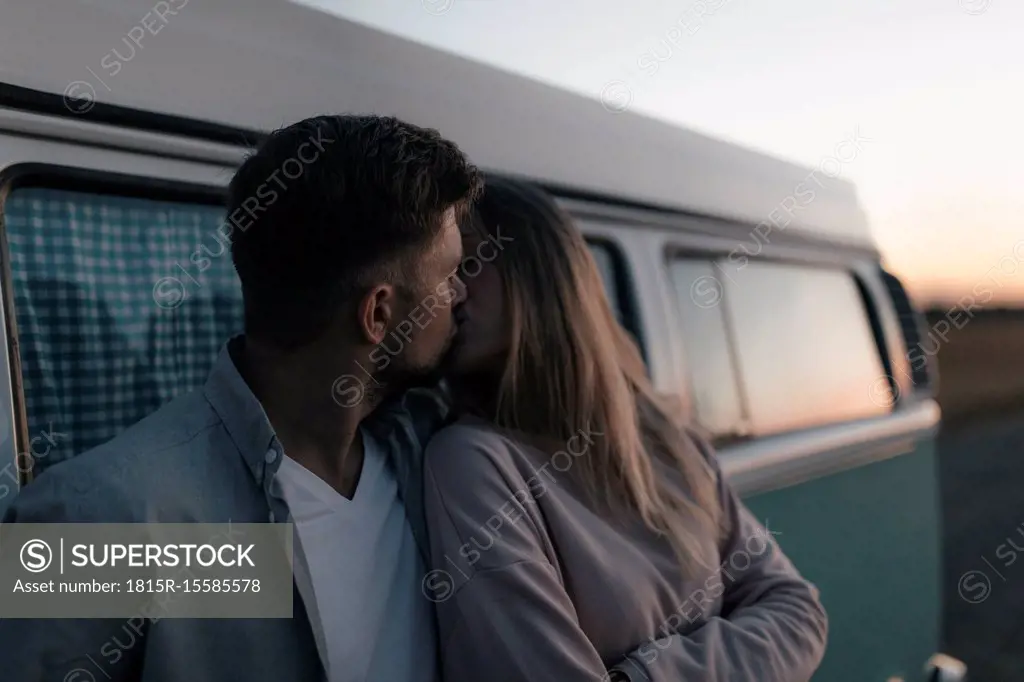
(400,375)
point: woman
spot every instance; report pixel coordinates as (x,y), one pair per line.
(576,525)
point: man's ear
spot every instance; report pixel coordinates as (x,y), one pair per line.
(375,312)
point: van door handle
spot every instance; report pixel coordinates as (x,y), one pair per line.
(943,668)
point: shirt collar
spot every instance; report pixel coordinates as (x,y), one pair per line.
(240,412)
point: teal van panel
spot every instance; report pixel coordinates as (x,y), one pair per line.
(869,538)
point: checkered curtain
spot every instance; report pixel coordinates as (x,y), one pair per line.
(121,304)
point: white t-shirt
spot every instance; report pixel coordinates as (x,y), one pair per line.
(366,573)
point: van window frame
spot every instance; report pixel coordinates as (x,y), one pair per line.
(51,176)
(674,251)
(742,431)
(625,289)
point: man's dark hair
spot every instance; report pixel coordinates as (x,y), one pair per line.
(326,203)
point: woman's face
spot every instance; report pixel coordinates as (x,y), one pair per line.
(482,342)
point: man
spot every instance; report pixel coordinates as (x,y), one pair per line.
(343,247)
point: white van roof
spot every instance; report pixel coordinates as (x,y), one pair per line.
(266,63)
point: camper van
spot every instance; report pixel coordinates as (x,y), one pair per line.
(752,285)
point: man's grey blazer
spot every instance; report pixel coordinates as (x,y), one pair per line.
(207,457)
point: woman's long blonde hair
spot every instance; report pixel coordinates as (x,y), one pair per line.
(572,368)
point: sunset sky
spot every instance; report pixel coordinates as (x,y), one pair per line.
(938,85)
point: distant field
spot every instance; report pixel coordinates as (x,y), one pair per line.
(981,474)
(981,366)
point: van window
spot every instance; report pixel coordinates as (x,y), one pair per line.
(773,347)
(805,347)
(614,274)
(606,265)
(120,304)
(710,366)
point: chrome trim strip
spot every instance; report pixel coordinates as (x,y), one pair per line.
(679,224)
(82,132)
(785,460)
(18,149)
